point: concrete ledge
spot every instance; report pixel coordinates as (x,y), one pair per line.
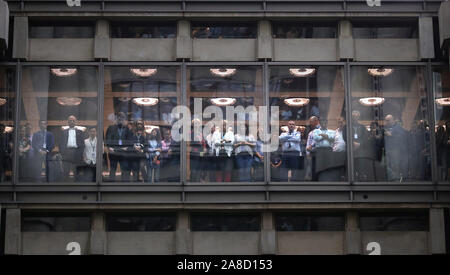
(61,49)
(143,243)
(305,49)
(397,242)
(225,243)
(387,50)
(53,243)
(224,49)
(307,243)
(142,49)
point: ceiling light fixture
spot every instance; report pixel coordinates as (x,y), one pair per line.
(223,72)
(302,72)
(81,128)
(2,101)
(223,101)
(143,72)
(145,101)
(296,102)
(380,71)
(64,72)
(69,101)
(445,101)
(149,128)
(372,101)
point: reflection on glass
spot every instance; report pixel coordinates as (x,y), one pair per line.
(441,89)
(225,222)
(304,30)
(391,137)
(58,119)
(140,222)
(223,30)
(62,30)
(225,149)
(312,120)
(58,222)
(7,103)
(143,30)
(385,30)
(394,222)
(309,222)
(137,124)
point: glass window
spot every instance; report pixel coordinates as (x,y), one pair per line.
(311,105)
(394,222)
(225,222)
(58,120)
(141,222)
(223,30)
(143,30)
(62,30)
(304,30)
(224,143)
(56,222)
(385,30)
(309,222)
(7,107)
(138,120)
(390,131)
(441,91)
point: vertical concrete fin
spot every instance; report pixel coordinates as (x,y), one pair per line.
(437,231)
(346,45)
(184,41)
(102,48)
(13,232)
(426,39)
(352,233)
(183,237)
(4,25)
(97,240)
(265,40)
(20,38)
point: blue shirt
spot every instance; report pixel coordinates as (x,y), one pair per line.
(290,141)
(321,142)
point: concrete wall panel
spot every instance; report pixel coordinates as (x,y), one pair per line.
(226,243)
(305,49)
(141,49)
(386,50)
(61,49)
(224,49)
(307,243)
(53,243)
(399,242)
(142,243)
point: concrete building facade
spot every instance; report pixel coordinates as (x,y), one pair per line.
(61,59)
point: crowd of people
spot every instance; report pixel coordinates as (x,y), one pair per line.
(385,151)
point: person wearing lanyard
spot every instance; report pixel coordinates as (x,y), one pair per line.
(117,141)
(362,152)
(292,159)
(42,143)
(243,147)
(90,155)
(71,147)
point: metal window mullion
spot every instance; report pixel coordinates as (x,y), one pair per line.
(432,123)
(18,78)
(348,113)
(183,151)
(266,100)
(100,110)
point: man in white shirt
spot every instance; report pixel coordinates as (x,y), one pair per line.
(90,154)
(71,147)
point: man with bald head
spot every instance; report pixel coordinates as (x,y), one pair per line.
(71,147)
(396,149)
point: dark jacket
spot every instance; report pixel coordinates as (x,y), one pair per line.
(113,136)
(38,141)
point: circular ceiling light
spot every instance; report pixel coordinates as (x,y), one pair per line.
(124,99)
(296,102)
(124,85)
(302,72)
(149,128)
(145,101)
(2,101)
(380,71)
(143,72)
(69,101)
(81,128)
(223,101)
(371,101)
(445,101)
(9,129)
(223,72)
(63,72)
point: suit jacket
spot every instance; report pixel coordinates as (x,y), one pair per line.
(112,139)
(79,140)
(38,141)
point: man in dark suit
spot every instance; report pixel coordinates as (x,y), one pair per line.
(118,140)
(43,143)
(71,147)
(396,149)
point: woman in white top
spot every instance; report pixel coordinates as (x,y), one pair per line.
(243,146)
